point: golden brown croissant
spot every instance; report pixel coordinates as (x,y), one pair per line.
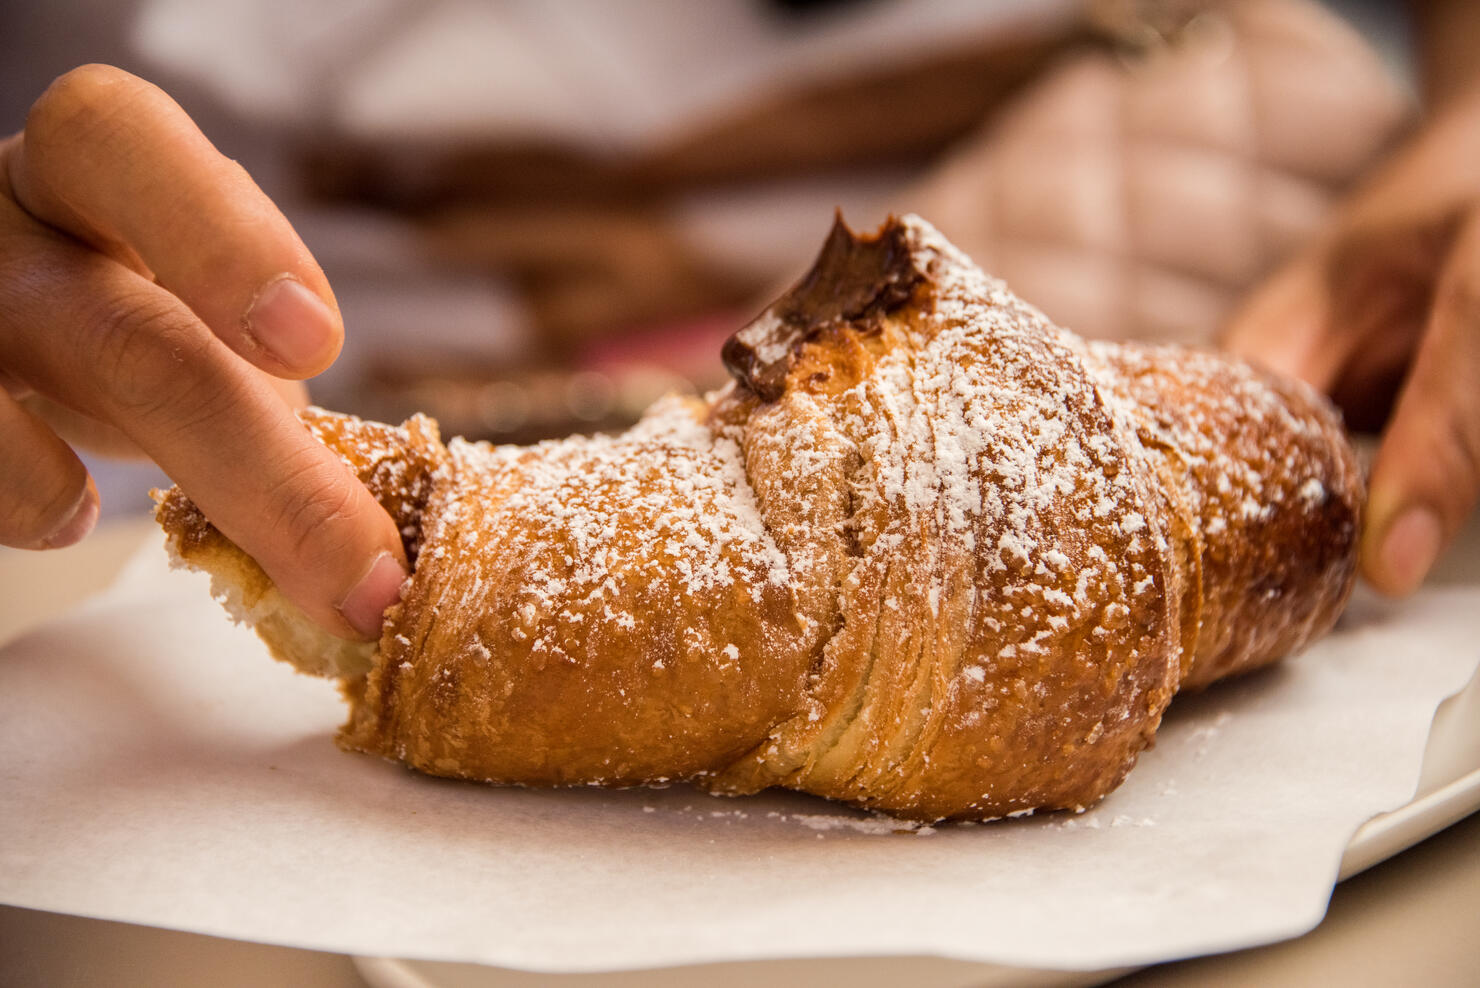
(927,554)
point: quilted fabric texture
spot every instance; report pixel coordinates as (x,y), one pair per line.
(1140,197)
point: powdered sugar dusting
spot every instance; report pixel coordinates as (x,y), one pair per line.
(1260,470)
(576,500)
(989,477)
(874,825)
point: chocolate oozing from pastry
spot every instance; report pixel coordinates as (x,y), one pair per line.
(855,280)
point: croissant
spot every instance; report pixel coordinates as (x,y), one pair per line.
(927,554)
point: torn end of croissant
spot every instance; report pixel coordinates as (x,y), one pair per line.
(394,462)
(251,598)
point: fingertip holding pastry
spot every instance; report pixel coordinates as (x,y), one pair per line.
(294,326)
(365,605)
(928,554)
(1406,551)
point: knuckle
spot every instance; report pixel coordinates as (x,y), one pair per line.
(314,513)
(1460,298)
(79,103)
(1463,443)
(140,348)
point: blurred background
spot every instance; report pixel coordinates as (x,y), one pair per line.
(538,217)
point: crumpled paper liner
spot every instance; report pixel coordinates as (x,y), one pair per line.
(158,768)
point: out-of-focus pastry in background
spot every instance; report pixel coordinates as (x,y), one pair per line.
(1138,190)
(538,217)
(623,183)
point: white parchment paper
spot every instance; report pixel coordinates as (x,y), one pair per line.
(156,767)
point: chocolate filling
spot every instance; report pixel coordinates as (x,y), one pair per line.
(854,281)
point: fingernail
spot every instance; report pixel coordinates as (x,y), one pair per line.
(291,323)
(380,587)
(1410,548)
(83,519)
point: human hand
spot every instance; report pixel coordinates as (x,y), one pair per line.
(150,292)
(1383,313)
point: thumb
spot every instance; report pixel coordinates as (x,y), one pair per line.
(1426,477)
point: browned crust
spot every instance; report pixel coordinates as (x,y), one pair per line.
(1271,492)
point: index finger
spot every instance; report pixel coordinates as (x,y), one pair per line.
(99,338)
(113,161)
